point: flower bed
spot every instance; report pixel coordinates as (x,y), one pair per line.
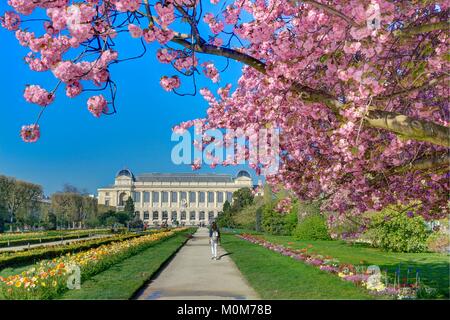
(30,256)
(49,278)
(18,239)
(366,277)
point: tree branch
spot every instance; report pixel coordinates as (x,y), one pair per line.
(408,127)
(405,126)
(415,30)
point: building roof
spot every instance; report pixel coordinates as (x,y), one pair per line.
(183,177)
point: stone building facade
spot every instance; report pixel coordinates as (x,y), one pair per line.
(186,198)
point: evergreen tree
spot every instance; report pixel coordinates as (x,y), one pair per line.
(129,207)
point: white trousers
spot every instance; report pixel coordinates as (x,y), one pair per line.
(214,248)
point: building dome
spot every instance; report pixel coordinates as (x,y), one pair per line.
(126,173)
(243,173)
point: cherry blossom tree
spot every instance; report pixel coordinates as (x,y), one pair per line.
(357,88)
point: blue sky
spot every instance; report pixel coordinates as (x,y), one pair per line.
(85,151)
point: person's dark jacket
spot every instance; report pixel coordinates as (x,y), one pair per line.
(211,233)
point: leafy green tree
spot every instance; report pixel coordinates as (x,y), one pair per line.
(226,206)
(399,229)
(312,227)
(242,198)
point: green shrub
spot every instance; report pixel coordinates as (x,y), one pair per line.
(276,223)
(312,227)
(397,230)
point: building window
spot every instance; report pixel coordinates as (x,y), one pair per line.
(202,215)
(107,194)
(165,215)
(201,197)
(146,197)
(183,195)
(155,215)
(137,197)
(192,215)
(137,214)
(183,215)
(174,216)
(107,203)
(210,215)
(220,197)
(174,196)
(210,197)
(155,196)
(229,197)
(165,196)
(146,215)
(192,198)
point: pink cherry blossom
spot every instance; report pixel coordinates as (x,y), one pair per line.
(210,71)
(135,31)
(36,94)
(30,133)
(10,21)
(97,105)
(171,83)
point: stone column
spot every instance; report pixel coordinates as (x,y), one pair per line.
(150,198)
(160,199)
(169,198)
(142,200)
(197,199)
(188,201)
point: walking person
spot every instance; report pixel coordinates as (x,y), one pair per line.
(214,238)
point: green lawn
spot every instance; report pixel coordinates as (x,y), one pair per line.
(275,276)
(434,268)
(123,279)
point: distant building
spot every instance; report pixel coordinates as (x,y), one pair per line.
(188,198)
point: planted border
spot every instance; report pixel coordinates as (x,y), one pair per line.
(359,275)
(49,278)
(31,256)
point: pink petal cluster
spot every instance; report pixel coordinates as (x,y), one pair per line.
(165,13)
(36,94)
(284,205)
(211,72)
(160,35)
(170,83)
(127,5)
(97,105)
(165,55)
(10,21)
(30,133)
(135,31)
(215,26)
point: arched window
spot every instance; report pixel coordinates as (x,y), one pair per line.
(155,215)
(192,215)
(165,215)
(183,215)
(122,198)
(210,215)
(202,215)
(174,216)
(146,215)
